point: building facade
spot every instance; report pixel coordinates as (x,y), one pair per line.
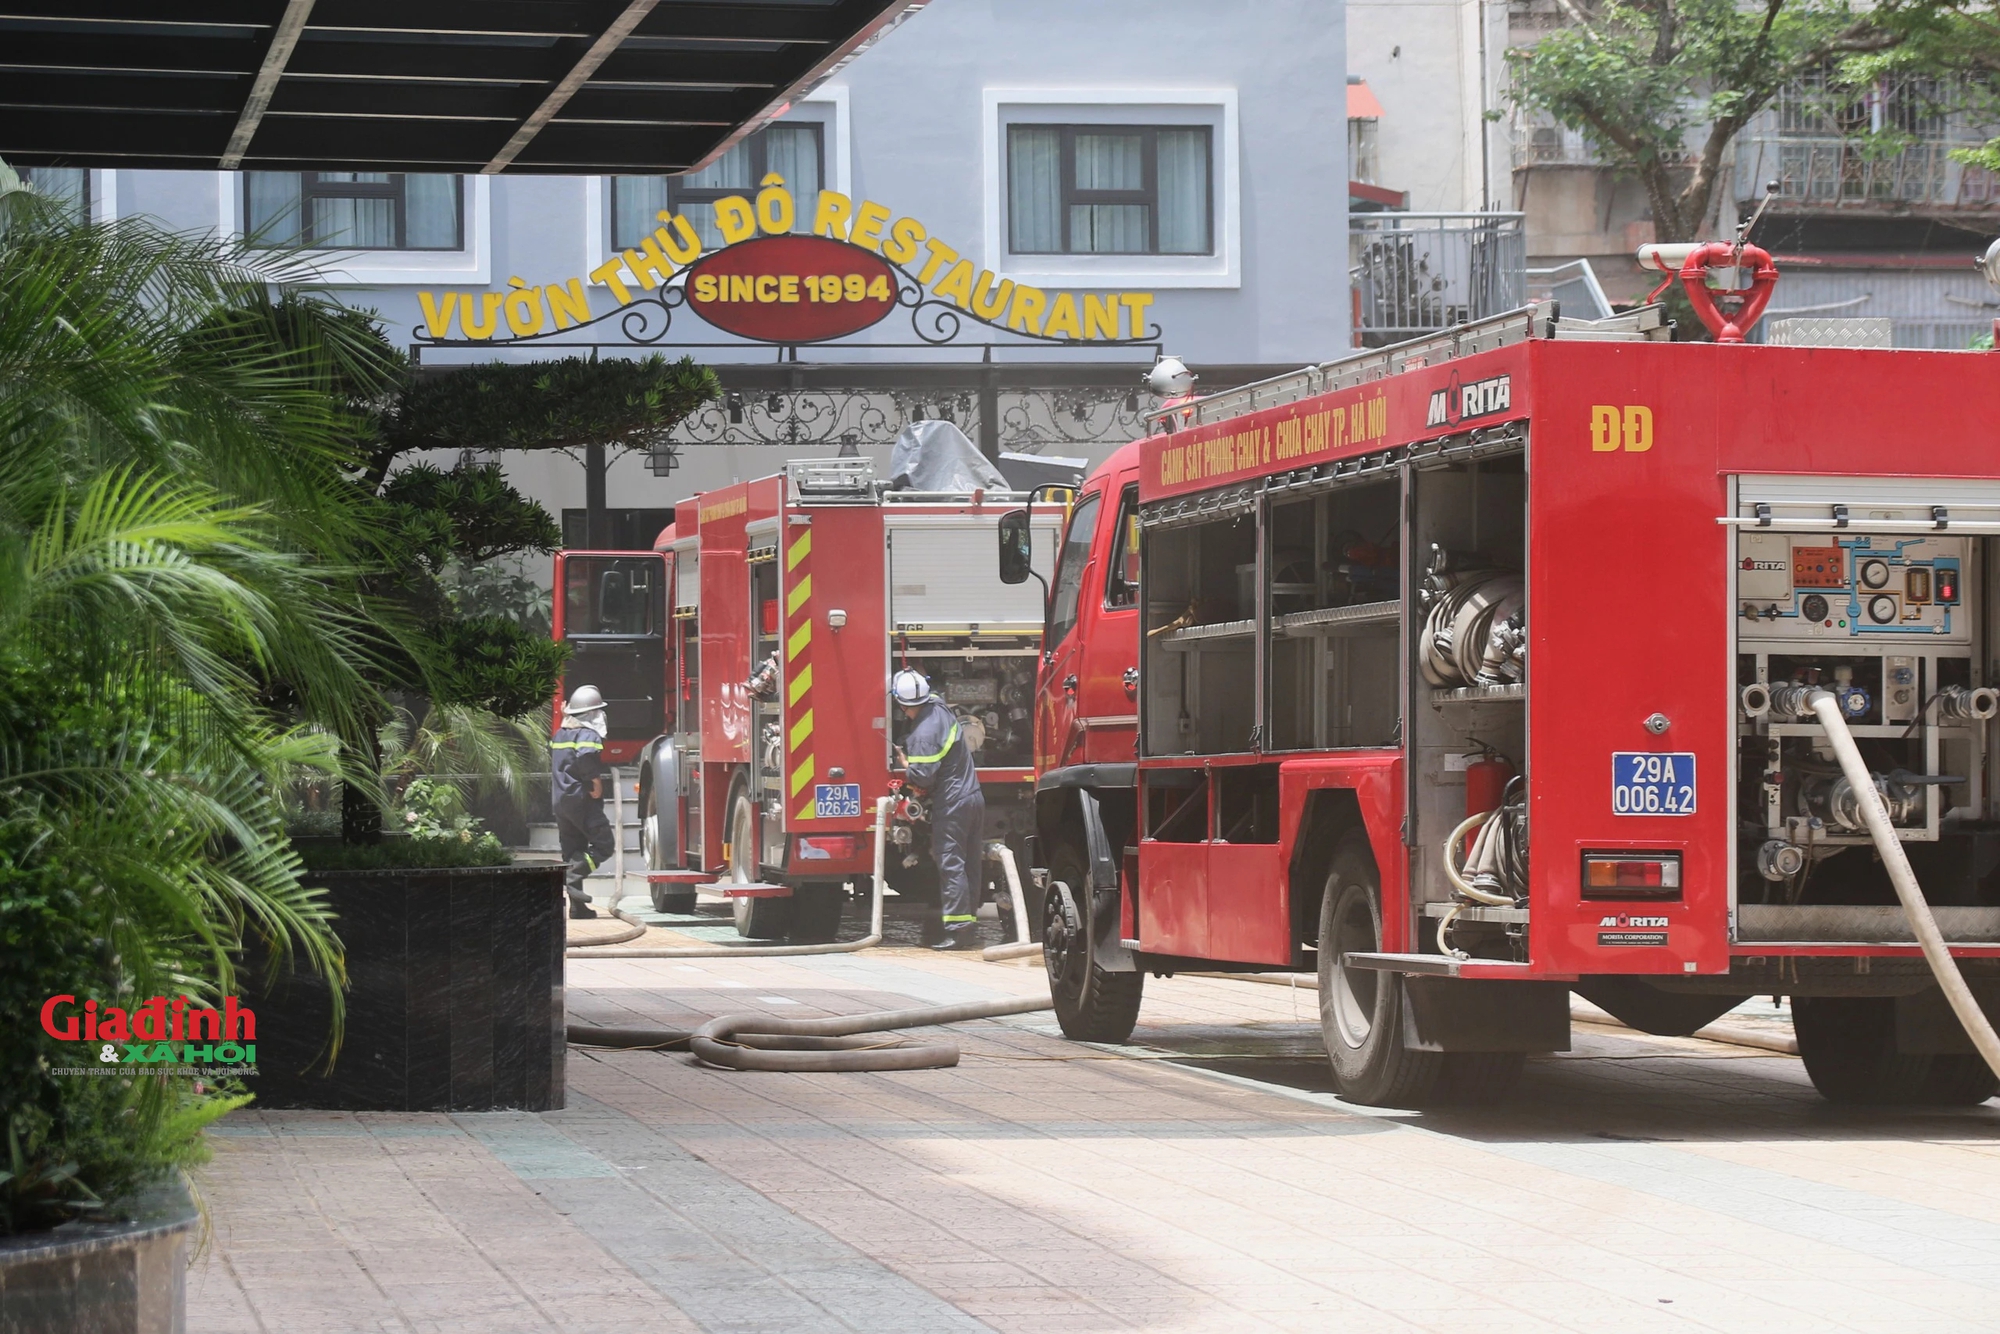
(1063,192)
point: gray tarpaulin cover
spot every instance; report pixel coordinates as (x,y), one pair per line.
(936,456)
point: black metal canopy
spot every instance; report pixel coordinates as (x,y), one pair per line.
(533,86)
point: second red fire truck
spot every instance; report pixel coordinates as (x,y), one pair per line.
(746,664)
(1474,672)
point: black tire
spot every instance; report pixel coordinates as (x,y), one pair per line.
(673,900)
(676,900)
(1958,1081)
(1360,1009)
(1848,1044)
(756,918)
(1092,1005)
(816,911)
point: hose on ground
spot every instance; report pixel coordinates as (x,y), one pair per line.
(1826,707)
(810,1046)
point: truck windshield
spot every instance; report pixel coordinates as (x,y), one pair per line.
(1069,571)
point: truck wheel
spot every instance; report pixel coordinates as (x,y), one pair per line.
(1091,1004)
(1360,1009)
(816,911)
(1848,1044)
(1958,1081)
(759,919)
(678,900)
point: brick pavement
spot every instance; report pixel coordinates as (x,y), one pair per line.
(1041,1186)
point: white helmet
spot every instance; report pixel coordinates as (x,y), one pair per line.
(585,700)
(909,688)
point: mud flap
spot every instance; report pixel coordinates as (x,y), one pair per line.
(1478,1014)
(1107,947)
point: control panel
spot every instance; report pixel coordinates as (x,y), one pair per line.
(1792,586)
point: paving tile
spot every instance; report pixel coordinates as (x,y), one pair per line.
(1634,1185)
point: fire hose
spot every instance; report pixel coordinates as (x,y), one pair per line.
(760,1042)
(1824,705)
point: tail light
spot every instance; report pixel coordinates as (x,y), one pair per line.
(826,848)
(1631,874)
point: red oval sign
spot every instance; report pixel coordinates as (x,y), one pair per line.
(791,289)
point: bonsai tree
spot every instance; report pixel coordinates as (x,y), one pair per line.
(477,678)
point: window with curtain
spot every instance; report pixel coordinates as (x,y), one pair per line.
(354,210)
(1109,190)
(67,186)
(795,152)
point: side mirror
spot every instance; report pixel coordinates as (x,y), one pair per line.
(1016,548)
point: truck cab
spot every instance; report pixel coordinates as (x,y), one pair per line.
(1088,710)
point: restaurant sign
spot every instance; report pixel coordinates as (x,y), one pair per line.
(774,284)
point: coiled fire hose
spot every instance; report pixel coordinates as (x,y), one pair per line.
(760,1042)
(1824,705)
(1493,870)
(1467,637)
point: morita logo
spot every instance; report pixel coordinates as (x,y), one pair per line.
(1457,402)
(1621,919)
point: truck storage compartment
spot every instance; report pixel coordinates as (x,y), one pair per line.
(1893,620)
(1200,636)
(1334,593)
(941,572)
(1467,678)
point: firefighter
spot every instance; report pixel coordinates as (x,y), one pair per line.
(577,772)
(937,762)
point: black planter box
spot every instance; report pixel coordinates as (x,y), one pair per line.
(126,1277)
(454,996)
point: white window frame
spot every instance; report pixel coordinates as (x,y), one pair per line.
(1213,107)
(472,265)
(103,194)
(827,107)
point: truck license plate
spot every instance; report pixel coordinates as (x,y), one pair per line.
(833,801)
(1652,782)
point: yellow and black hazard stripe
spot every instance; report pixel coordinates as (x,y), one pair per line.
(798,585)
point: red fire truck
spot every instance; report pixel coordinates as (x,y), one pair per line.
(1324,657)
(745,666)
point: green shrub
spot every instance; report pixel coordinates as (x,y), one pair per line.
(420,852)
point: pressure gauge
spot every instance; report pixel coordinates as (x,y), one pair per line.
(1881,609)
(1813,607)
(1874,574)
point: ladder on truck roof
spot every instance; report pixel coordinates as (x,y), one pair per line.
(1540,320)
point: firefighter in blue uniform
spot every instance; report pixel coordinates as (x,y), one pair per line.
(576,765)
(937,762)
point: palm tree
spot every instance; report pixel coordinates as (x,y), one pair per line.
(180,633)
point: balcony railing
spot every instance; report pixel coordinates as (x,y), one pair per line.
(1828,171)
(1416,273)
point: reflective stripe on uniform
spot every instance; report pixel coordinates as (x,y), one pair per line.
(950,740)
(576,745)
(961,917)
